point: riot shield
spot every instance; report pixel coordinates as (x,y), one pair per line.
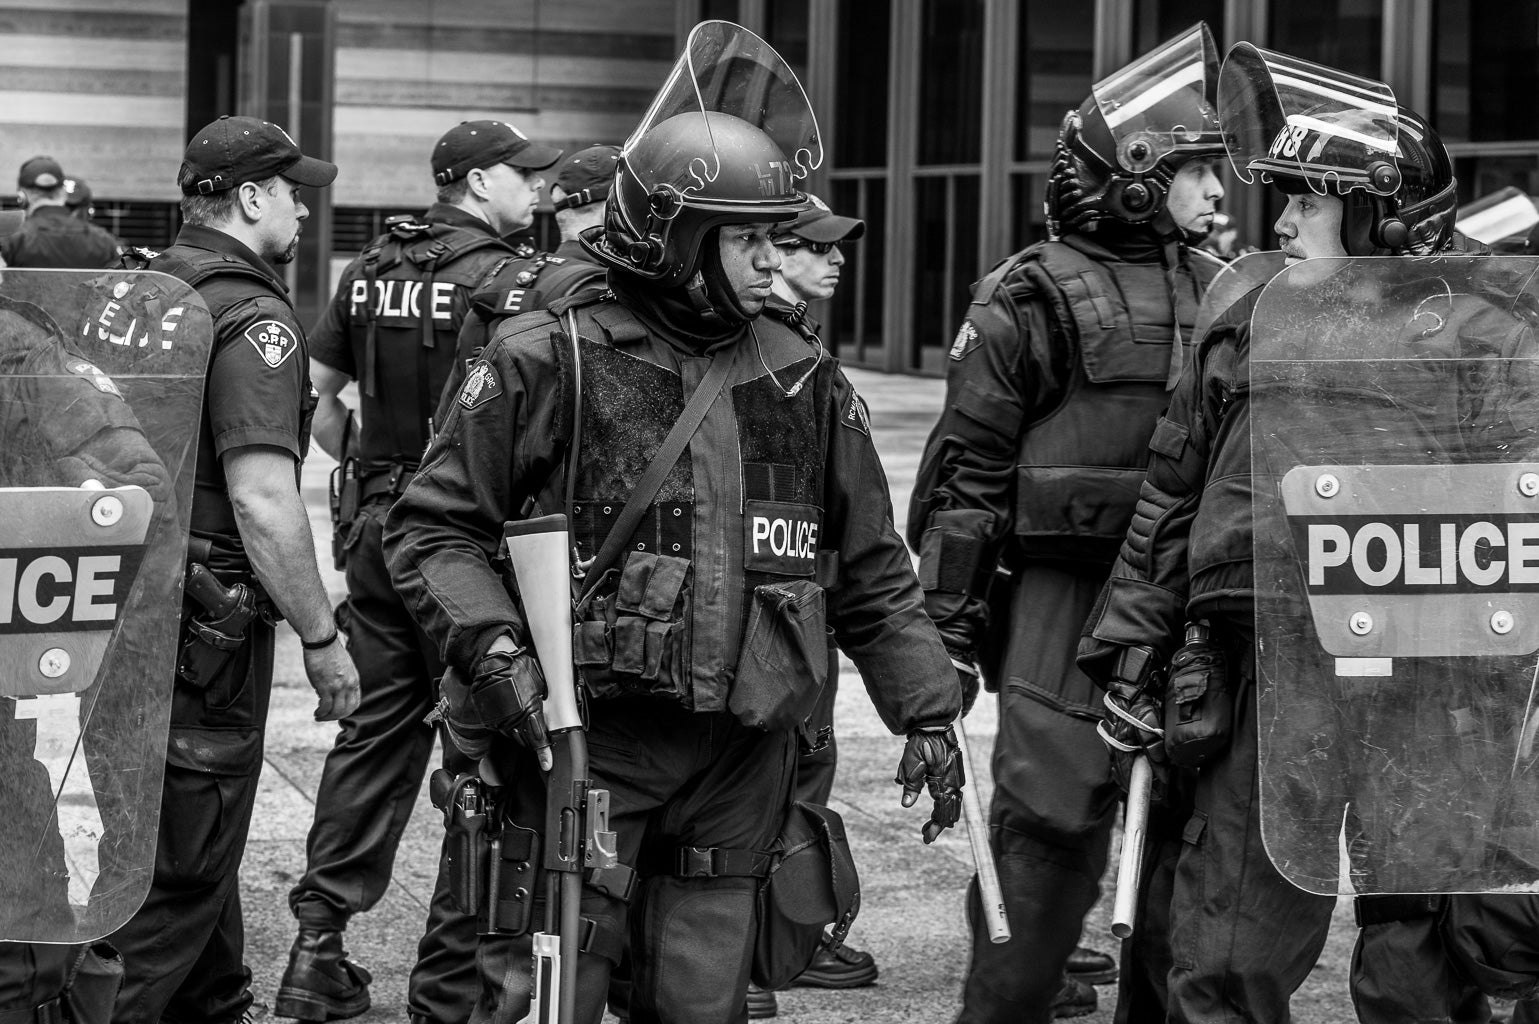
(1395,458)
(101,391)
(726,69)
(1236,280)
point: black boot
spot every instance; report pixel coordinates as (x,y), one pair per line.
(321,983)
(1091,966)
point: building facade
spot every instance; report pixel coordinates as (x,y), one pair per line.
(940,115)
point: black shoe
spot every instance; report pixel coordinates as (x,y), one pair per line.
(761,1003)
(838,966)
(321,983)
(1091,967)
(1074,999)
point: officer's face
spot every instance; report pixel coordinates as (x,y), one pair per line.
(1194,195)
(512,194)
(283,213)
(749,260)
(1310,226)
(809,275)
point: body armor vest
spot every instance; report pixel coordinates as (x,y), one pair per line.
(1080,465)
(741,509)
(403,327)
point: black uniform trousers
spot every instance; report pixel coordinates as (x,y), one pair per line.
(371,779)
(675,778)
(1054,802)
(1243,937)
(184,949)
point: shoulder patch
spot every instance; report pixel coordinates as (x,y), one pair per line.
(856,416)
(100,381)
(481,386)
(273,340)
(966,340)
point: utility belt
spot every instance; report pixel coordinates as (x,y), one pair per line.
(353,486)
(495,868)
(217,616)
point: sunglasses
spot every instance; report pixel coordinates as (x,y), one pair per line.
(821,248)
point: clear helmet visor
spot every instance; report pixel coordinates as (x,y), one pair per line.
(726,69)
(1293,118)
(1165,102)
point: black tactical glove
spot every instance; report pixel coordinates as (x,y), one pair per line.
(1131,724)
(506,694)
(967,677)
(932,759)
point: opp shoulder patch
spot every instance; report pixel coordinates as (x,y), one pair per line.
(481,386)
(966,340)
(274,341)
(100,381)
(856,415)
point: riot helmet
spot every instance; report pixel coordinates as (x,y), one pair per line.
(726,140)
(1304,126)
(1118,153)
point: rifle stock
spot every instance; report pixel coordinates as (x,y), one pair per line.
(577,835)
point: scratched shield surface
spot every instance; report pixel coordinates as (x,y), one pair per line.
(1395,447)
(101,392)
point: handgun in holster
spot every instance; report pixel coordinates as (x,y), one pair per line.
(212,636)
(346,490)
(463,800)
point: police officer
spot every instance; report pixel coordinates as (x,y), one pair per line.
(535,280)
(1248,935)
(392,326)
(52,236)
(1055,382)
(809,272)
(240,180)
(693,789)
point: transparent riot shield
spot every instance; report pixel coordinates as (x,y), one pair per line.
(1395,448)
(101,391)
(1236,280)
(727,70)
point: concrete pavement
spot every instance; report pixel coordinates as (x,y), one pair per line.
(911,917)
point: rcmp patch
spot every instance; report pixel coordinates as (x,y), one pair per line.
(967,334)
(856,416)
(100,381)
(274,342)
(481,386)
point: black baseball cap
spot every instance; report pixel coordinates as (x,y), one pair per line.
(586,176)
(472,144)
(234,150)
(817,223)
(40,172)
(76,192)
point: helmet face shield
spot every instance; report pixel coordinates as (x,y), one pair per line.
(1286,117)
(726,69)
(1164,103)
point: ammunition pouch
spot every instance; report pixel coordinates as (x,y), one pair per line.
(811,884)
(783,664)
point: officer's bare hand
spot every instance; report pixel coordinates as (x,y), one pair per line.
(932,759)
(334,678)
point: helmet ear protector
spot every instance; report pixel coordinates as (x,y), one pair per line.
(1138,198)
(1385,229)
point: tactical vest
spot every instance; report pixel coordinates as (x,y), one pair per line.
(1080,465)
(403,330)
(669,620)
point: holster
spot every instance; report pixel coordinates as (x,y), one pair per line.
(345,498)
(463,800)
(211,637)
